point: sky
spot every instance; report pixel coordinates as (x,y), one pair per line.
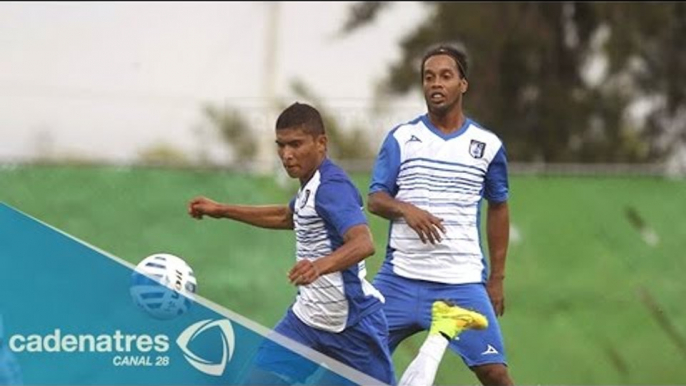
(105,81)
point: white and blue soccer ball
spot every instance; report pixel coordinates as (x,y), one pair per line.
(163,285)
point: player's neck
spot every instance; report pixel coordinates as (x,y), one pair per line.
(306,178)
(448,122)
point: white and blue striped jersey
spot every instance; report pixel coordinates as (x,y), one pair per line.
(446,175)
(323,211)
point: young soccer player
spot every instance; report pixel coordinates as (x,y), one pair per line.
(336,312)
(429,179)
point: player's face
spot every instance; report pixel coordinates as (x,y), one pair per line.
(300,152)
(443,85)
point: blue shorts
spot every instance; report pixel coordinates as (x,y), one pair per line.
(408,310)
(363,346)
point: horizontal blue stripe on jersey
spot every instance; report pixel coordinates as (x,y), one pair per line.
(311,239)
(315,227)
(438,178)
(444,222)
(302,231)
(437,189)
(321,302)
(451,253)
(301,216)
(439,198)
(300,220)
(309,235)
(311,286)
(456,223)
(429,160)
(429,169)
(442,238)
(312,254)
(436,203)
(312,250)
(440,184)
(311,232)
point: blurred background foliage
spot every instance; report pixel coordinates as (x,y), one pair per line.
(561,81)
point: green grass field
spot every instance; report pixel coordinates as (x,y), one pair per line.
(589,299)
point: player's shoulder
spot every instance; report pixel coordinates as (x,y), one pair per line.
(334,183)
(331,173)
(484,134)
(407,128)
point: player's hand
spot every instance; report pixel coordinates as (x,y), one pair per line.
(495,290)
(303,272)
(200,206)
(424,223)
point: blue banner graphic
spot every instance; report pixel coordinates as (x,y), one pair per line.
(68,318)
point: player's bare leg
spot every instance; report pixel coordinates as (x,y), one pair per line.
(495,374)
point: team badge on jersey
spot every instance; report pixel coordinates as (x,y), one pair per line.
(476,149)
(304,200)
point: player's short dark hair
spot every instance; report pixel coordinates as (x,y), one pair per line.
(302,116)
(458,55)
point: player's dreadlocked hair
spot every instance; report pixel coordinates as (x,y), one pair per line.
(458,55)
(302,116)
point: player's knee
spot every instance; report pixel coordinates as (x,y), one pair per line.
(493,375)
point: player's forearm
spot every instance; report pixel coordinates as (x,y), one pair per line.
(272,217)
(383,205)
(357,248)
(498,230)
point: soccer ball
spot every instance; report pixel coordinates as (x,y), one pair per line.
(163,285)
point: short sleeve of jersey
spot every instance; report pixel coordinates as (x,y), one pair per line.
(339,204)
(291,204)
(497,186)
(386,167)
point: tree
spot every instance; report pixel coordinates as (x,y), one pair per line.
(234,130)
(557,81)
(163,153)
(344,143)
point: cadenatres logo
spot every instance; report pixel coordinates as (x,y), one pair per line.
(204,365)
(133,350)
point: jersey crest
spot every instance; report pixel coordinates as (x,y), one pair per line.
(303,202)
(476,149)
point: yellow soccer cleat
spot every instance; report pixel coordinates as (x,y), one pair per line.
(450,320)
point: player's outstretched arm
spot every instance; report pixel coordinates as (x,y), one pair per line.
(424,223)
(271,217)
(357,246)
